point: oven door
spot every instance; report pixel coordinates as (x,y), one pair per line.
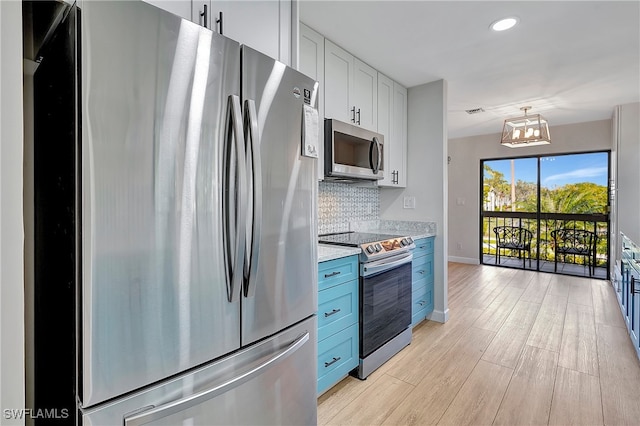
(385,302)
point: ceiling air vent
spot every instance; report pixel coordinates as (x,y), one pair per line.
(474,111)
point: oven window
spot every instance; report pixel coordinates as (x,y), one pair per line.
(385,304)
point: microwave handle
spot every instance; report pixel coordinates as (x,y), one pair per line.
(377,144)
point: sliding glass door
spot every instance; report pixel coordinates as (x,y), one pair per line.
(547,213)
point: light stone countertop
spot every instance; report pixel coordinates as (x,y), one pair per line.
(415,230)
(329,252)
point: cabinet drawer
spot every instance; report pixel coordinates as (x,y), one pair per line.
(337,308)
(337,271)
(423,268)
(423,246)
(421,298)
(337,355)
(422,303)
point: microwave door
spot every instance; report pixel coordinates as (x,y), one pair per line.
(352,152)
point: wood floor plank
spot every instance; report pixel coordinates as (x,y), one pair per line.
(580,291)
(537,289)
(559,286)
(605,304)
(578,349)
(426,349)
(521,279)
(506,347)
(480,396)
(528,397)
(341,395)
(497,312)
(619,376)
(576,399)
(546,332)
(373,405)
(431,397)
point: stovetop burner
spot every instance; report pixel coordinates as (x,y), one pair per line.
(374,246)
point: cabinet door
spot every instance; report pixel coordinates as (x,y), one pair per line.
(338,83)
(311,63)
(182,8)
(365,95)
(398,158)
(385,116)
(254,23)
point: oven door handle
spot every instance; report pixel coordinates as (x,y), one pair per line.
(385,264)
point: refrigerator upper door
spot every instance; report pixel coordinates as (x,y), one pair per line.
(156,114)
(281,283)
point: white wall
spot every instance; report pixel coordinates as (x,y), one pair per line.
(426,178)
(628,182)
(464,175)
(11,222)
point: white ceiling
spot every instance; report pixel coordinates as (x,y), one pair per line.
(572,61)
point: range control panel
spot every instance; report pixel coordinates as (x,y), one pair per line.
(382,249)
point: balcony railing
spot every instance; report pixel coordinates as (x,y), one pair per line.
(542,245)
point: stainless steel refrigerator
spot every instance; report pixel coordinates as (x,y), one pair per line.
(175,224)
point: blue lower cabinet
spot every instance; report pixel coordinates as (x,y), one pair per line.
(337,356)
(338,316)
(422,280)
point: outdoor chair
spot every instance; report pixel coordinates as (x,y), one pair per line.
(577,242)
(513,238)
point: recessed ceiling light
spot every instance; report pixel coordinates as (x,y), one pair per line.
(504,24)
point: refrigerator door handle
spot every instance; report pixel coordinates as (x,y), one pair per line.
(234,199)
(254,225)
(174,407)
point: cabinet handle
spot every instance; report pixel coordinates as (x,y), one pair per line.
(353,116)
(333,361)
(421,271)
(204,15)
(333,312)
(358,115)
(421,303)
(333,274)
(219,21)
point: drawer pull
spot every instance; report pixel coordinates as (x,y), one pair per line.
(333,361)
(333,312)
(421,271)
(422,247)
(333,274)
(422,303)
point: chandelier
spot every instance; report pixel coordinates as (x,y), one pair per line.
(527,130)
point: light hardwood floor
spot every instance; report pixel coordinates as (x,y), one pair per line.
(520,347)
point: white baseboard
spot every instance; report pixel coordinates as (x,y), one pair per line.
(468,260)
(439,316)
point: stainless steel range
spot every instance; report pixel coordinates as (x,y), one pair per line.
(384,294)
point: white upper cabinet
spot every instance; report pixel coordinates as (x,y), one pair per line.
(182,8)
(392,123)
(311,63)
(264,25)
(398,160)
(385,116)
(365,95)
(338,83)
(350,88)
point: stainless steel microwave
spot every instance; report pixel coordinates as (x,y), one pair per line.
(351,152)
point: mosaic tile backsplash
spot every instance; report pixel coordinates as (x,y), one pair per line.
(339,204)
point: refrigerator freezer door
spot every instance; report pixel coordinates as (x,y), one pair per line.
(154,104)
(270,383)
(282,285)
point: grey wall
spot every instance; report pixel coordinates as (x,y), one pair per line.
(11,222)
(464,175)
(426,178)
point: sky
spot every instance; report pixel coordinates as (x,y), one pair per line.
(558,170)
